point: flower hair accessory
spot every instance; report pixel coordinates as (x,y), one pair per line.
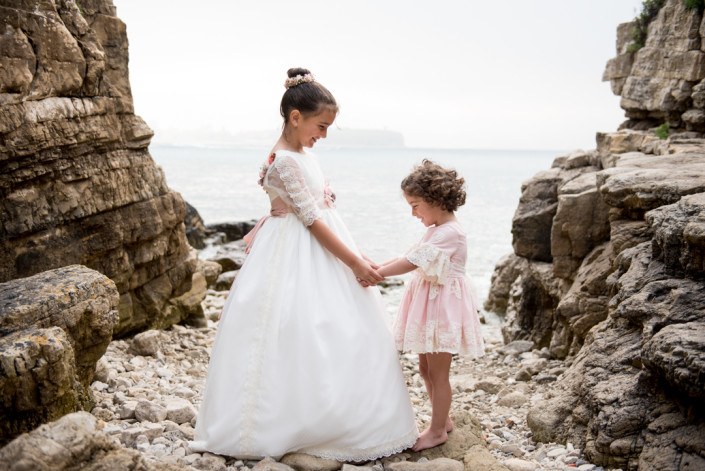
(297,80)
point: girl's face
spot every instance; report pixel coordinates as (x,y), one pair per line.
(309,129)
(428,214)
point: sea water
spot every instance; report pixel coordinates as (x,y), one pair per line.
(222,185)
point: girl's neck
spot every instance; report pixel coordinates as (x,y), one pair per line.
(285,142)
(447,216)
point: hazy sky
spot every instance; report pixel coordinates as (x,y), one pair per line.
(507,74)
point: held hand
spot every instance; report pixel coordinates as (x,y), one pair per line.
(372,264)
(365,274)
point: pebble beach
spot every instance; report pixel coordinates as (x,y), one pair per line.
(148,390)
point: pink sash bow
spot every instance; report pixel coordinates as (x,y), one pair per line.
(279,209)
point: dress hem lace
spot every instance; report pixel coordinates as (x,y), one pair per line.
(365,454)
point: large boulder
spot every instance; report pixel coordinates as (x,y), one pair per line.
(75,442)
(54,327)
(77,182)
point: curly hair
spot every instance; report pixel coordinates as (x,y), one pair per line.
(436,185)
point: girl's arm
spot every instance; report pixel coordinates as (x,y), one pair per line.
(398,266)
(362,270)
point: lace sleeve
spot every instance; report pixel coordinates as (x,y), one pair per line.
(432,261)
(285,177)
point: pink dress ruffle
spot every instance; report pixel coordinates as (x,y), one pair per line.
(439,311)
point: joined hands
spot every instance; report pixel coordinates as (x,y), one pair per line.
(366,272)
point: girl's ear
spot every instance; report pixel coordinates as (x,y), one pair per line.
(295,117)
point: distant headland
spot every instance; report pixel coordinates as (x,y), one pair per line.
(337,137)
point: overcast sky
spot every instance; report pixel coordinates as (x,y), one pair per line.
(506,74)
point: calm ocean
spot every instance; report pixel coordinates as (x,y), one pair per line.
(222,185)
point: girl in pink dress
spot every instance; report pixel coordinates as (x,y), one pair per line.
(438,314)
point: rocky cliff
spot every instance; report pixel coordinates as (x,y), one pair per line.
(77,182)
(608,269)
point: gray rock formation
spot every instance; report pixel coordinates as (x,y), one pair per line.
(608,268)
(54,327)
(75,442)
(77,183)
(662,81)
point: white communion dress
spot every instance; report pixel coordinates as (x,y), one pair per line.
(304,360)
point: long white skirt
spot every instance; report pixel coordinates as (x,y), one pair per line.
(304,360)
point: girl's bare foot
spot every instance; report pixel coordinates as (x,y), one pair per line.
(429,439)
(449,425)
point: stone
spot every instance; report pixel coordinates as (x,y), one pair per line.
(506,271)
(517,346)
(210,270)
(514,399)
(127,410)
(229,256)
(148,411)
(512,449)
(196,232)
(179,410)
(478,457)
(438,464)
(146,343)
(73,442)
(209,462)
(225,280)
(102,371)
(37,380)
(490,384)
(466,433)
(54,328)
(304,462)
(268,464)
(234,231)
(516,464)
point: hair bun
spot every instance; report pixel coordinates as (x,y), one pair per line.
(294,71)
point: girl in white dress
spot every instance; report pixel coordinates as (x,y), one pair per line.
(303,359)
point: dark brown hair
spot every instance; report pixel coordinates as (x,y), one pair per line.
(435,185)
(307,97)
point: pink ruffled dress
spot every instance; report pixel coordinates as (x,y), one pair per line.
(439,312)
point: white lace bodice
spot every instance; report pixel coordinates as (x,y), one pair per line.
(297,179)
